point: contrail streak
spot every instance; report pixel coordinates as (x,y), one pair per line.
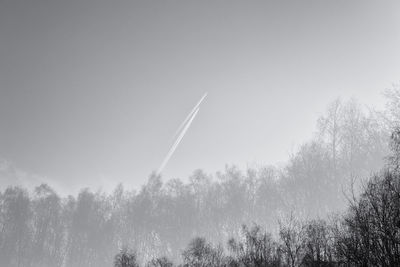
(178,140)
(190,115)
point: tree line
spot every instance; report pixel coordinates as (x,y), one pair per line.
(366,234)
(158,221)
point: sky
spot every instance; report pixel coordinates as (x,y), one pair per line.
(92,92)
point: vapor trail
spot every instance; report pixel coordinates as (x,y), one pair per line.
(190,115)
(178,140)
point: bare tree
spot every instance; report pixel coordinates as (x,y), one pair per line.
(292,235)
(200,253)
(160,262)
(318,244)
(257,248)
(125,258)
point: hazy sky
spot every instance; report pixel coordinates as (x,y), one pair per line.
(92,92)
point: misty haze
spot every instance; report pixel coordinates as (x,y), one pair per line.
(199,133)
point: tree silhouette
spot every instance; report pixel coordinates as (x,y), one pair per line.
(199,253)
(125,258)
